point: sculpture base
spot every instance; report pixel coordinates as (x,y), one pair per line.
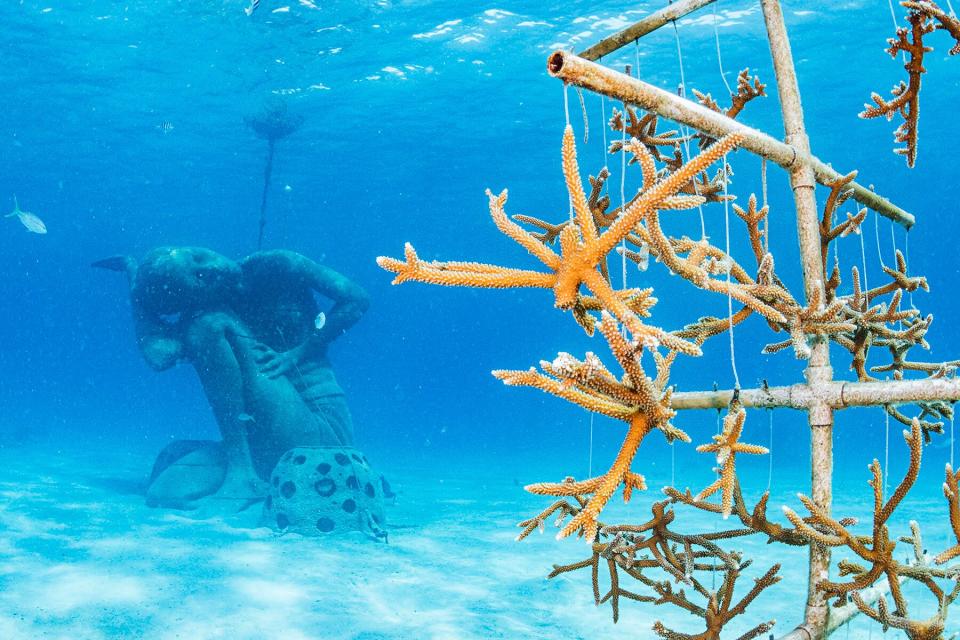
(316,491)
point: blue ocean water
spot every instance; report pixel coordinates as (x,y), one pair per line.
(123,129)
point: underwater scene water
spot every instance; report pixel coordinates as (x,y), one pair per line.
(145,401)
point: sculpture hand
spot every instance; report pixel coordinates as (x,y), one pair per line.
(275,364)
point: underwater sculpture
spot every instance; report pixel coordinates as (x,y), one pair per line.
(655,554)
(258,341)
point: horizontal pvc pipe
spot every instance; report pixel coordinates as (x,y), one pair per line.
(639,29)
(839,395)
(578,71)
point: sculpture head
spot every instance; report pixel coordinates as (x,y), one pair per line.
(172,280)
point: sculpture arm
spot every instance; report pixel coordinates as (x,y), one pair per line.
(350,301)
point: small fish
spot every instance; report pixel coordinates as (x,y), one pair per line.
(27,219)
(165,127)
(246,417)
(253,7)
(319,321)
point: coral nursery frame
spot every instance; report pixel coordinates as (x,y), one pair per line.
(648,404)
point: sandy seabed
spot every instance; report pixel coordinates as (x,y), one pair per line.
(82,558)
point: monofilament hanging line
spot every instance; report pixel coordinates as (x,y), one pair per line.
(590,454)
(685,132)
(886,453)
(726,222)
(566,113)
(603,128)
(766,218)
(896,26)
(713,570)
(906,259)
(876,231)
(623,196)
(893,240)
(586,118)
(673,465)
(726,201)
(952,406)
(716,37)
(863,256)
(770,452)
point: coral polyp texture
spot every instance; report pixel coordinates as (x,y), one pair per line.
(655,555)
(923,18)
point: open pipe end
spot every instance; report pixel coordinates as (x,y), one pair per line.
(555,63)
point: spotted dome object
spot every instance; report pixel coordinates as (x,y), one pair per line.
(318,491)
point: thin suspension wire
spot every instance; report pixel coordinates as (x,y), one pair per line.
(726,222)
(716,37)
(586,118)
(770,455)
(590,450)
(952,406)
(950,456)
(713,570)
(603,128)
(623,196)
(896,25)
(893,240)
(766,219)
(726,211)
(673,465)
(566,113)
(685,132)
(863,256)
(906,259)
(886,454)
(876,232)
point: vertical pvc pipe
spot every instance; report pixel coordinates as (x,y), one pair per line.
(819,372)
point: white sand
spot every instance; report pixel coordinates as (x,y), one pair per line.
(82,558)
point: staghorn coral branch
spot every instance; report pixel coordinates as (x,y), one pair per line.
(726,445)
(923,18)
(586,520)
(945,21)
(878,551)
(748,88)
(576,253)
(951,492)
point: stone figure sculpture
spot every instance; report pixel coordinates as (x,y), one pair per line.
(257,338)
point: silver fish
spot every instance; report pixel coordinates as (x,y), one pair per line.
(27,219)
(253,7)
(320,320)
